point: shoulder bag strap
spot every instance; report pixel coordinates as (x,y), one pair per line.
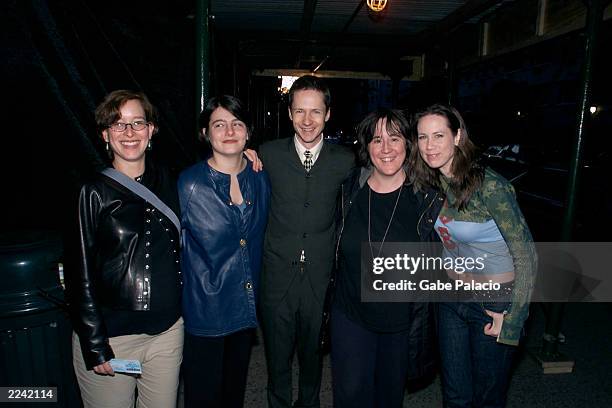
(144,193)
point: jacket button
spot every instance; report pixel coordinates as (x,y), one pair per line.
(306,204)
(429,220)
(243,242)
(248,286)
(148,210)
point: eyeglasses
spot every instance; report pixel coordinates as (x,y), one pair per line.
(121,127)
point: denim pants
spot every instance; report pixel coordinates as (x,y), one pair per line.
(475,368)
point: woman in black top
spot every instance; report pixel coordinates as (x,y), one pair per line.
(377,346)
(126,291)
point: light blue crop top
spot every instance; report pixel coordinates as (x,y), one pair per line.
(467,239)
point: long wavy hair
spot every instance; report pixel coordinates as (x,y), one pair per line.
(466,168)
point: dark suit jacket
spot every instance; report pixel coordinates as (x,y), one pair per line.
(302,211)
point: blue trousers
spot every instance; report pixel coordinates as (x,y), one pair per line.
(369,369)
(475,368)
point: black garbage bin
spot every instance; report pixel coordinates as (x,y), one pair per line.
(35,331)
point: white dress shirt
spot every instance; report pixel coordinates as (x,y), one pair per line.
(315,150)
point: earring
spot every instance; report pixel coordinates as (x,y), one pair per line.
(149,146)
(107,146)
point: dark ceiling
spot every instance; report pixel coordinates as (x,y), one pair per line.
(338,34)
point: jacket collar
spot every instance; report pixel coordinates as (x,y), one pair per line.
(223,180)
(367,171)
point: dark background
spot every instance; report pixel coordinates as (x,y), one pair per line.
(61,57)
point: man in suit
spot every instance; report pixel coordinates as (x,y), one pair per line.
(305,175)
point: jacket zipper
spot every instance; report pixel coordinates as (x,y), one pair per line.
(424,211)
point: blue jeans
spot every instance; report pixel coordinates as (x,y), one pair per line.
(475,368)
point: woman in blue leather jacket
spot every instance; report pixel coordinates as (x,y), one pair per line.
(224,210)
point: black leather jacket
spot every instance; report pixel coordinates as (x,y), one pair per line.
(430,203)
(117,255)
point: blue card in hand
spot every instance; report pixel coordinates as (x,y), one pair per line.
(126,366)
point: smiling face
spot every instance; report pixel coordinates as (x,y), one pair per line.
(308,114)
(387,149)
(129,146)
(227,134)
(437,143)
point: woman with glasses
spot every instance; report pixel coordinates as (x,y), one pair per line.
(224,210)
(478,333)
(126,291)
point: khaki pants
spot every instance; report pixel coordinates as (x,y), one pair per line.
(160,356)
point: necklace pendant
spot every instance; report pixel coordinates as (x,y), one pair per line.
(382,242)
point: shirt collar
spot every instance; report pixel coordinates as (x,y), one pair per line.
(315,150)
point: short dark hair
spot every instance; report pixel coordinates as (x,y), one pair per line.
(310,82)
(229,103)
(109,110)
(396,123)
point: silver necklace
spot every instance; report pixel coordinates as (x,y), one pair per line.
(388,225)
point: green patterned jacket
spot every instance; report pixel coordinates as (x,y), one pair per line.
(496,200)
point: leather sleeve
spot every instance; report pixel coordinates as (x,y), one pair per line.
(89,323)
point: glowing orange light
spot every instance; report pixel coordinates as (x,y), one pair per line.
(377,5)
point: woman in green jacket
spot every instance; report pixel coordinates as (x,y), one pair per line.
(479,331)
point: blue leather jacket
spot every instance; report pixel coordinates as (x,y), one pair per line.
(221,251)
